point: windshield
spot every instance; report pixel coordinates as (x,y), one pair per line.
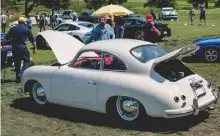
(147,52)
(168,9)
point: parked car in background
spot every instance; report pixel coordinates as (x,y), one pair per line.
(77,29)
(134,28)
(125,78)
(70,15)
(168,13)
(209,48)
(87,16)
(58,18)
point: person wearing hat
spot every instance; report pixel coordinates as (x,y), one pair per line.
(202,14)
(151,33)
(192,14)
(102,31)
(42,21)
(4,19)
(18,35)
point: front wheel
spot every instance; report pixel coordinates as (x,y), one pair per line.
(139,35)
(38,94)
(211,54)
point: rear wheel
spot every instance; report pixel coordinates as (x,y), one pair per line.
(211,54)
(126,109)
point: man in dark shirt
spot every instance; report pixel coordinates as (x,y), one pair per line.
(202,14)
(18,36)
(151,33)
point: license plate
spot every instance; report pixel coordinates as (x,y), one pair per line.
(200,91)
(165,32)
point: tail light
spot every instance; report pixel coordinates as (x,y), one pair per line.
(176,99)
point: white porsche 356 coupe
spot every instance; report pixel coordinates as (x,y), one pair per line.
(126,78)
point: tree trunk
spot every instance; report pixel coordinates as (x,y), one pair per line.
(206,4)
(28,8)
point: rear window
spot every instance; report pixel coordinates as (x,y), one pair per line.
(147,52)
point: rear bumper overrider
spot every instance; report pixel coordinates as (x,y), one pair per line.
(195,108)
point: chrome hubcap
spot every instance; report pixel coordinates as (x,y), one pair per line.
(39,94)
(128,108)
(139,35)
(211,55)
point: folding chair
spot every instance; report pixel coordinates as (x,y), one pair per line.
(6,61)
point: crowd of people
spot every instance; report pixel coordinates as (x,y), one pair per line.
(109,28)
(42,22)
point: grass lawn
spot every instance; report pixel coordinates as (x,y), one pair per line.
(21,117)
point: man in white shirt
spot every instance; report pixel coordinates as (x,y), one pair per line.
(4,19)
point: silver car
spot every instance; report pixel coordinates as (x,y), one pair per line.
(168,13)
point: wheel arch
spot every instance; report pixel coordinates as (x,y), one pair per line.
(78,38)
(29,84)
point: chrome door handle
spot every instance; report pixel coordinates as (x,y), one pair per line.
(92,83)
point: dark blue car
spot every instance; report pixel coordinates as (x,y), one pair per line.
(209,48)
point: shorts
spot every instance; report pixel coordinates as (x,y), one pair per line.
(202,16)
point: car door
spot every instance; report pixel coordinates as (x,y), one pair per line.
(73,30)
(62,27)
(77,83)
(129,24)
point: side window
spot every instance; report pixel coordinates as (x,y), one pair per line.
(128,22)
(88,60)
(73,27)
(63,27)
(85,14)
(138,22)
(113,63)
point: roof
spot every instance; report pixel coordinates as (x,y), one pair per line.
(116,46)
(77,22)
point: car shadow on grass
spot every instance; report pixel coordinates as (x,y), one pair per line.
(159,125)
(196,59)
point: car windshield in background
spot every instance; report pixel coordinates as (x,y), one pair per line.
(88,25)
(147,52)
(168,9)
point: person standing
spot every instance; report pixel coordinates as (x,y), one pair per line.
(120,28)
(4,19)
(37,18)
(29,22)
(153,14)
(151,33)
(192,14)
(202,14)
(102,31)
(18,35)
(52,21)
(42,22)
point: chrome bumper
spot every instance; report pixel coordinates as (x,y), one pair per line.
(194,109)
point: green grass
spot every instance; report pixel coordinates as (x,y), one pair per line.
(21,117)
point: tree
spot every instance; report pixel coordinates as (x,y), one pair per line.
(161,3)
(196,3)
(9,4)
(217,3)
(95,4)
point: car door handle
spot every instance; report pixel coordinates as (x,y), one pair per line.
(92,83)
